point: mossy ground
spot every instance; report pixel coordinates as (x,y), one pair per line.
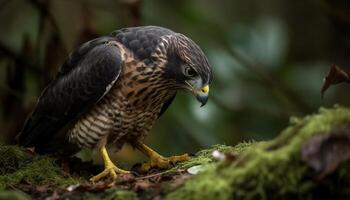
(110,194)
(259,170)
(16,165)
(272,169)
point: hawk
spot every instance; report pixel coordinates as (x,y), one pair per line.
(111,90)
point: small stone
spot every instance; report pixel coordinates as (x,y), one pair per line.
(217,155)
(72,187)
(195,169)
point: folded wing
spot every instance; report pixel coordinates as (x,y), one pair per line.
(82,81)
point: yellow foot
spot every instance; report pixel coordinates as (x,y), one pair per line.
(110,171)
(162,162)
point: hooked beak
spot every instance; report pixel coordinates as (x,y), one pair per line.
(202,94)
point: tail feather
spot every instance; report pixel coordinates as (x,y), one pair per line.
(32,130)
(47,136)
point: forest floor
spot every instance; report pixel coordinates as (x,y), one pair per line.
(25,175)
(308,160)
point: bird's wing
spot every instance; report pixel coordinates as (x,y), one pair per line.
(82,81)
(166,105)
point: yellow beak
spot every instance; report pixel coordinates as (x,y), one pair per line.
(202,94)
(205,89)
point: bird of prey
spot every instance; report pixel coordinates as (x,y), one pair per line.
(112,89)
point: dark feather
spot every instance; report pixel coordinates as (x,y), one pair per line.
(81,82)
(142,40)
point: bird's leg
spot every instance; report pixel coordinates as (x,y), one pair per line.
(157,160)
(110,169)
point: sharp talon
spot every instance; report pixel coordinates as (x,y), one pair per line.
(163,163)
(110,170)
(157,160)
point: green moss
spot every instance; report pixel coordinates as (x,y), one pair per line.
(265,170)
(262,170)
(11,158)
(204,157)
(111,194)
(117,194)
(17,165)
(13,195)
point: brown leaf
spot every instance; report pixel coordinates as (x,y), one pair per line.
(143,185)
(179,180)
(94,187)
(41,188)
(324,153)
(335,75)
(54,196)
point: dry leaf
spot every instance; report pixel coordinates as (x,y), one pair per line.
(54,196)
(324,153)
(335,75)
(94,187)
(143,185)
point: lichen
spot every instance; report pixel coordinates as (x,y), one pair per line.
(17,165)
(270,170)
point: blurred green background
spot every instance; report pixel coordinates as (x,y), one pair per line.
(268,57)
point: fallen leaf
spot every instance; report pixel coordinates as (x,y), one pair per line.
(335,75)
(94,187)
(143,185)
(54,196)
(127,177)
(324,153)
(179,180)
(41,188)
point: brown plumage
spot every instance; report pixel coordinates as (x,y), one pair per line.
(112,89)
(130,108)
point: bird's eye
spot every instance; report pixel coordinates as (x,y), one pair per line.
(190,72)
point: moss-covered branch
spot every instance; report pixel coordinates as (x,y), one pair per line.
(273,169)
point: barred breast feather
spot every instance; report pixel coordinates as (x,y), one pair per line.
(128,110)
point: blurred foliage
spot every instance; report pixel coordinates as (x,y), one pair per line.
(268,57)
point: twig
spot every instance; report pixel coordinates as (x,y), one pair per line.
(45,12)
(4,50)
(151,175)
(154,175)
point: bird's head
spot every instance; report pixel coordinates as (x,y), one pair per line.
(188,66)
